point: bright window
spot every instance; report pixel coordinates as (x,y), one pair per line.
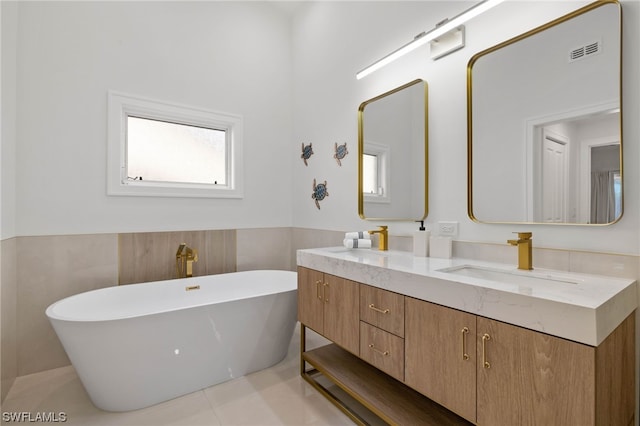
(375,173)
(170,152)
(370,182)
(161,149)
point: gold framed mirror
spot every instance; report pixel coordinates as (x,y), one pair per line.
(544,123)
(393,154)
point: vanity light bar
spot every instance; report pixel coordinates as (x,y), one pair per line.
(425,37)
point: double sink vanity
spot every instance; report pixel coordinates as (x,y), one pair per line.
(428,341)
(451,341)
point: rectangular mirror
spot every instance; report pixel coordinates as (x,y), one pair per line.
(544,123)
(392,154)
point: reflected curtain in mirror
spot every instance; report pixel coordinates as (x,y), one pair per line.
(606,188)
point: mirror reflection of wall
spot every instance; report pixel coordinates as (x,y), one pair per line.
(392,141)
(538,105)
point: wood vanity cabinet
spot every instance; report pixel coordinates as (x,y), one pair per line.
(549,380)
(440,355)
(450,365)
(328,305)
(530,378)
(493,373)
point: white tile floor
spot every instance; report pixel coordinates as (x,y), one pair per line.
(274,396)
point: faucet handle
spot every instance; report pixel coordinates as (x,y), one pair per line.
(381,228)
(524,235)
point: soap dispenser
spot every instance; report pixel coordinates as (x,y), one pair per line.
(421,241)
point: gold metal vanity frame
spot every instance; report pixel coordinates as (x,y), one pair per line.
(382,395)
(317,370)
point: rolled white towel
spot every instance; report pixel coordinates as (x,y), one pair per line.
(356,243)
(360,235)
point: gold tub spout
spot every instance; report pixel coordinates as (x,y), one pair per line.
(383,240)
(525,258)
(185,257)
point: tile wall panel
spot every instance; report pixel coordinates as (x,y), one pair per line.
(151,256)
(51,268)
(265,248)
(303,238)
(613,265)
(9,310)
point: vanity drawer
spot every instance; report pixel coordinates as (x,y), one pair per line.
(383,309)
(383,350)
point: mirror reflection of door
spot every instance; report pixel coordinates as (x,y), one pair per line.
(554,177)
(576,169)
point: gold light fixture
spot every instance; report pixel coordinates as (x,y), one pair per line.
(425,37)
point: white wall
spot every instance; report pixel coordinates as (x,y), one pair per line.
(334,40)
(224,56)
(291,87)
(8,120)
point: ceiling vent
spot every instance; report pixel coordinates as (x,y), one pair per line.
(585,51)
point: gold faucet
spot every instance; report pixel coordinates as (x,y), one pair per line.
(185,257)
(525,259)
(383,240)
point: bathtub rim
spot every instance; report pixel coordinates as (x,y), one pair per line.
(52,316)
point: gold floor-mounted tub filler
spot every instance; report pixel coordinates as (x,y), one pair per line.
(185,258)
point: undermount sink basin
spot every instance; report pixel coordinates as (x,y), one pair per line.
(516,276)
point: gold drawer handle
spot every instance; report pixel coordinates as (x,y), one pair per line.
(372,306)
(485,363)
(465,355)
(192,287)
(318,295)
(385,353)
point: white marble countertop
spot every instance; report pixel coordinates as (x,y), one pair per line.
(586,309)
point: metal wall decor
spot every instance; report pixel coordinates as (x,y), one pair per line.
(307,152)
(340,152)
(319,192)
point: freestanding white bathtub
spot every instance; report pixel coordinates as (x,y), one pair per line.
(137,345)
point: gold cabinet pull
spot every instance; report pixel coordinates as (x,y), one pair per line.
(485,363)
(465,355)
(385,353)
(318,295)
(326,292)
(382,311)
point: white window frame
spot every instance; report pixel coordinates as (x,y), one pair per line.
(122,105)
(382,152)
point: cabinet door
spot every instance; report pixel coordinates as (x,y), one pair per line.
(311,299)
(341,312)
(530,378)
(436,342)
